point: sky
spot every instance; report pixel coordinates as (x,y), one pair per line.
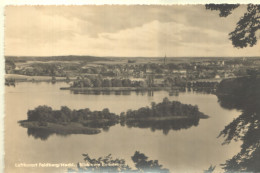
(123,31)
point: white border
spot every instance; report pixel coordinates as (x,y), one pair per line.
(4,3)
(124,2)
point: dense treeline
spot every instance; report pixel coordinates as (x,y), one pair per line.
(242,94)
(99,82)
(164,109)
(96,82)
(202,84)
(46,114)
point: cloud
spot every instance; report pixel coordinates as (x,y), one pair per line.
(119,31)
(30,25)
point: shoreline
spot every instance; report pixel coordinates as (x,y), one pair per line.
(166,118)
(120,88)
(25,78)
(70,128)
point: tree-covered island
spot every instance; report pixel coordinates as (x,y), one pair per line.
(44,121)
(164,116)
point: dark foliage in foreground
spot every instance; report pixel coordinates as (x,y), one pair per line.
(243,94)
(245,32)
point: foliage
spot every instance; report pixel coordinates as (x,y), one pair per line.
(163,116)
(210,169)
(165,109)
(245,32)
(164,125)
(225,9)
(243,94)
(9,64)
(46,114)
(143,164)
(202,84)
(97,82)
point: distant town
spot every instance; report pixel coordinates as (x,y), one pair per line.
(97,72)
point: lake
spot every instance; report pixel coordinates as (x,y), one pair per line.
(186,150)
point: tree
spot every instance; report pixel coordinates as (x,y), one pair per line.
(153,106)
(9,65)
(210,169)
(65,113)
(107,83)
(87,82)
(150,80)
(67,79)
(116,83)
(41,113)
(97,82)
(143,164)
(126,82)
(105,113)
(245,32)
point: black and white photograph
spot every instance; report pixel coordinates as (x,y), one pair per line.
(132,88)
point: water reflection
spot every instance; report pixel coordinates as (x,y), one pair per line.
(124,92)
(43,121)
(122,142)
(44,134)
(202,90)
(109,164)
(164,125)
(107,92)
(171,92)
(167,115)
(39,133)
(243,94)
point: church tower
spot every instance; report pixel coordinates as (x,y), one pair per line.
(164,60)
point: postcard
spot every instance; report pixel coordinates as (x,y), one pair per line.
(131,88)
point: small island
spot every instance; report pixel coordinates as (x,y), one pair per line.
(101,84)
(164,116)
(44,121)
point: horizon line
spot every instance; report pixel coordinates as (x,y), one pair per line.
(31,56)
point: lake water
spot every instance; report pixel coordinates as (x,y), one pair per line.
(187,150)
